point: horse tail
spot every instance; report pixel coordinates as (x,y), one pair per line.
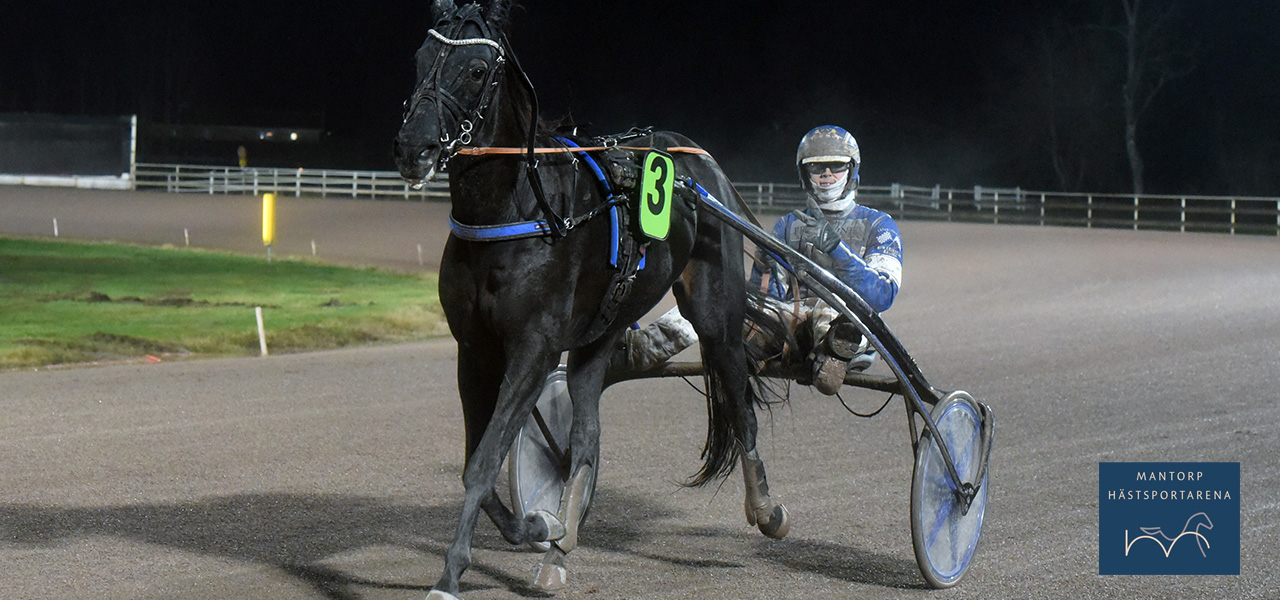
(764,330)
(729,415)
(721,452)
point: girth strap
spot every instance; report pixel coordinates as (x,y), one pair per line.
(625,254)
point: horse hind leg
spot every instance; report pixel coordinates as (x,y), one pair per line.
(762,511)
(552,574)
(724,355)
(770,517)
(586,380)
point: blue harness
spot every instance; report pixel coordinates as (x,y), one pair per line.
(623,247)
(539,228)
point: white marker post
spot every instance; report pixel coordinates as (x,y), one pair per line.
(262,331)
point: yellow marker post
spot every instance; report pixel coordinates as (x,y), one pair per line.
(268,222)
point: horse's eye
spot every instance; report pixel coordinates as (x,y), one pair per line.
(477,73)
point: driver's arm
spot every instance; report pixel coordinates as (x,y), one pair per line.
(878,276)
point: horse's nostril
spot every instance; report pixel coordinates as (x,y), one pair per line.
(424,153)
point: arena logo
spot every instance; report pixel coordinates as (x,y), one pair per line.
(1201,522)
(1168,518)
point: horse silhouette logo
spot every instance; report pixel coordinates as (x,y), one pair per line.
(1196,523)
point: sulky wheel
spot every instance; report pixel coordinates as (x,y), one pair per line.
(945,539)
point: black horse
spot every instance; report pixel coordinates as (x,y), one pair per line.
(546,258)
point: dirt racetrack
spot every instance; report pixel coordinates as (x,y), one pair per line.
(336,474)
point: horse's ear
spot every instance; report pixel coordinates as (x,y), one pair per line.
(440,8)
(496,15)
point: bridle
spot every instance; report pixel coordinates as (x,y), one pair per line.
(431,87)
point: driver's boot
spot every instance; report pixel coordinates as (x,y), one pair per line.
(646,348)
(842,343)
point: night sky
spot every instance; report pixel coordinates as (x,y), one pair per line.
(954,93)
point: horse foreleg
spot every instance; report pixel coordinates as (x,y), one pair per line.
(515,400)
(479,478)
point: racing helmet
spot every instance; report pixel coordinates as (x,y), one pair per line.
(824,144)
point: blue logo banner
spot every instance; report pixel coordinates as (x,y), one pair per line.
(1168,518)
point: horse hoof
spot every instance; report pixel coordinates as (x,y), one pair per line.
(550,578)
(439,595)
(778,525)
(555,527)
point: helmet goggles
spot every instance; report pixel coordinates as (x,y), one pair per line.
(820,167)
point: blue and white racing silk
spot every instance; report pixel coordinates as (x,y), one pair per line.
(867,259)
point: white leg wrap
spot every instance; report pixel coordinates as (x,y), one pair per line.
(757,504)
(439,595)
(768,516)
(572,506)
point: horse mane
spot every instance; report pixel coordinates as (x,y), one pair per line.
(559,126)
(497,14)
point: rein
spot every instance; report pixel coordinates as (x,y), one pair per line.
(480,151)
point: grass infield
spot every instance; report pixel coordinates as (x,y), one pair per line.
(63,302)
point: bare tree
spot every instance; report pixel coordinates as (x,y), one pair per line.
(1053,101)
(1153,57)
(1072,79)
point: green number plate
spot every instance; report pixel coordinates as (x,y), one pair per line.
(655,195)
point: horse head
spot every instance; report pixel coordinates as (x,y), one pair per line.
(460,67)
(1197,521)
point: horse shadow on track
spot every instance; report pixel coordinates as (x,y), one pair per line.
(298,533)
(290,532)
(843,563)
